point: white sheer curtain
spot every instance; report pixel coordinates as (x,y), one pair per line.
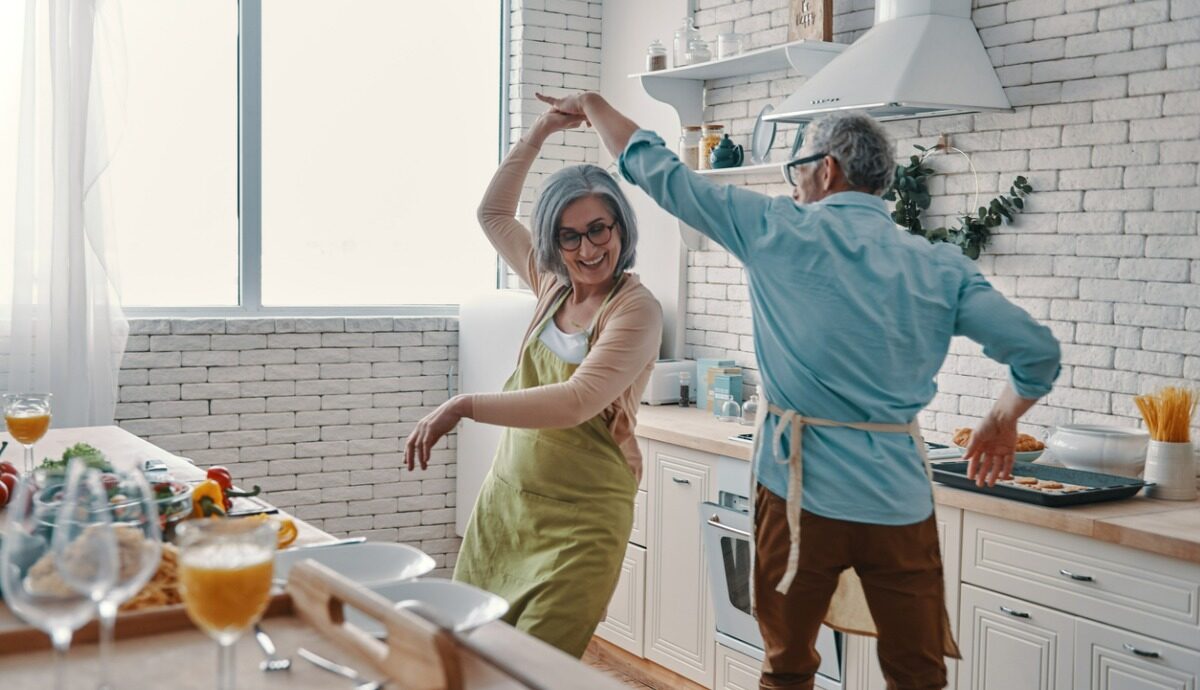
(62,322)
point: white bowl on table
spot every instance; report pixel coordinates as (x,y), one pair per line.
(460,606)
(1098,448)
(367,563)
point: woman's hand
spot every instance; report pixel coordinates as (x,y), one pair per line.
(432,428)
(550,122)
(990,450)
(572,105)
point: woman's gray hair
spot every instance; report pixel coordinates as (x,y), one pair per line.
(566,187)
(860,145)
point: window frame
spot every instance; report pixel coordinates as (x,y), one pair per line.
(250,191)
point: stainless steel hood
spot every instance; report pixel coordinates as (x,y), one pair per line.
(923,58)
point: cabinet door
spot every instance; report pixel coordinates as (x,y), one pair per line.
(1107,658)
(624,624)
(1010,643)
(679,619)
(736,671)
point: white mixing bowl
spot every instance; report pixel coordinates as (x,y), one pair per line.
(1096,448)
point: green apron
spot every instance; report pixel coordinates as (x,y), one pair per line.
(553,517)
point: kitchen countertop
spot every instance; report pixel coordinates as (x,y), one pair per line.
(1168,528)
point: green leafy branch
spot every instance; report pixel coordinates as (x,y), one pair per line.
(910,191)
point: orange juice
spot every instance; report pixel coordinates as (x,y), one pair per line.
(225,586)
(27,429)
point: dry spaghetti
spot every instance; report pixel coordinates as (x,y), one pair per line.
(1168,413)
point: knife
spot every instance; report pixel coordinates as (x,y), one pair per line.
(337,542)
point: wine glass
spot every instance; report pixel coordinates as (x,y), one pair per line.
(225,569)
(115,507)
(29,576)
(27,416)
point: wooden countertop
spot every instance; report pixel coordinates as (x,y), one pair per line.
(1168,528)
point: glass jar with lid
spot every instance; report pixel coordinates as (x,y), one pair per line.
(689,146)
(656,56)
(710,137)
(698,52)
(684,35)
(729,44)
(750,408)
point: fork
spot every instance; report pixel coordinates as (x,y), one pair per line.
(273,662)
(341,670)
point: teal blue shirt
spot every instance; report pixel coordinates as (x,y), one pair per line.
(852,321)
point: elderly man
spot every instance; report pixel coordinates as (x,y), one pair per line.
(852,321)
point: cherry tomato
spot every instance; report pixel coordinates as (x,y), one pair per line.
(9,468)
(221,476)
(9,480)
(3,495)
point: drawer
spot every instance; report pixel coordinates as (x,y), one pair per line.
(1144,592)
(1113,659)
(638,535)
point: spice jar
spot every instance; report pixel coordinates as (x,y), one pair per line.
(728,45)
(656,56)
(710,137)
(684,35)
(685,392)
(689,146)
(698,52)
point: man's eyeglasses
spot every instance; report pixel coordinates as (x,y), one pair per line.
(790,166)
(598,234)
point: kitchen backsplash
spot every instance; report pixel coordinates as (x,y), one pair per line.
(315,411)
(1106,127)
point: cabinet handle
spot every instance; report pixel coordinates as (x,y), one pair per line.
(1140,652)
(1014,613)
(677,480)
(715,521)
(1073,576)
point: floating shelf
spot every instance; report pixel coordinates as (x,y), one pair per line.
(745,170)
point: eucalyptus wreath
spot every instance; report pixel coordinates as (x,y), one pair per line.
(910,191)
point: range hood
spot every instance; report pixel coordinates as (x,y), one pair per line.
(923,58)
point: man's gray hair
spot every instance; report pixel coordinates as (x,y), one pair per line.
(566,187)
(860,145)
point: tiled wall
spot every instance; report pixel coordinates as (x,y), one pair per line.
(1106,127)
(315,411)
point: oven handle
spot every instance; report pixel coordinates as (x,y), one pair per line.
(715,521)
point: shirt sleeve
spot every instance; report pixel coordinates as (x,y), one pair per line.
(629,340)
(730,215)
(498,209)
(1008,335)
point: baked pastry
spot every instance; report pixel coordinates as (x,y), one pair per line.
(1025,442)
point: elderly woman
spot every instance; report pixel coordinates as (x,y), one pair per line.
(551,522)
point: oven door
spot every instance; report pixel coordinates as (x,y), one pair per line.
(727,546)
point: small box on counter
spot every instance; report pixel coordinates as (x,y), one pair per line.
(713,373)
(726,387)
(702,379)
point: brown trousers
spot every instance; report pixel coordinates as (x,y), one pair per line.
(901,572)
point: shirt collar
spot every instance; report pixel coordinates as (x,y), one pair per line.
(855,199)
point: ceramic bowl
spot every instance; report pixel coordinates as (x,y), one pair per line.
(368,563)
(1097,448)
(460,606)
(1028,455)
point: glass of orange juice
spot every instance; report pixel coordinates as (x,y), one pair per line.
(27,416)
(225,569)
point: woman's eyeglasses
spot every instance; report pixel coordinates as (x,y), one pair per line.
(790,166)
(598,234)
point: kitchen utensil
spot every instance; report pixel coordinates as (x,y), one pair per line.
(460,606)
(1170,466)
(763,137)
(1095,448)
(727,154)
(339,669)
(1098,487)
(273,662)
(365,563)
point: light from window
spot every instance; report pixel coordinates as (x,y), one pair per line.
(379,137)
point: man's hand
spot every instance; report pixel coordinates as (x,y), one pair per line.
(549,122)
(571,105)
(990,450)
(431,429)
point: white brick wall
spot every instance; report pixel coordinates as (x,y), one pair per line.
(315,411)
(1106,126)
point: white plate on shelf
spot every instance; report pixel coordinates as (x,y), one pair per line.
(367,563)
(763,137)
(461,606)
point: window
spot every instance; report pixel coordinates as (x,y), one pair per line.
(360,161)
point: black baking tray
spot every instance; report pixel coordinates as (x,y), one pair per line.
(1101,487)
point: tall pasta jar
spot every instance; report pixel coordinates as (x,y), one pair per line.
(689,146)
(710,137)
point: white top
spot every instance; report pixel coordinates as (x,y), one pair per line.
(570,347)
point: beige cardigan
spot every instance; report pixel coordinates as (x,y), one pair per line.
(624,345)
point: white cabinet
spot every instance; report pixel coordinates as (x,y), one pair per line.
(624,624)
(736,671)
(1010,643)
(1107,658)
(679,617)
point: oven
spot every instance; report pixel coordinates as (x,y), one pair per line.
(727,546)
